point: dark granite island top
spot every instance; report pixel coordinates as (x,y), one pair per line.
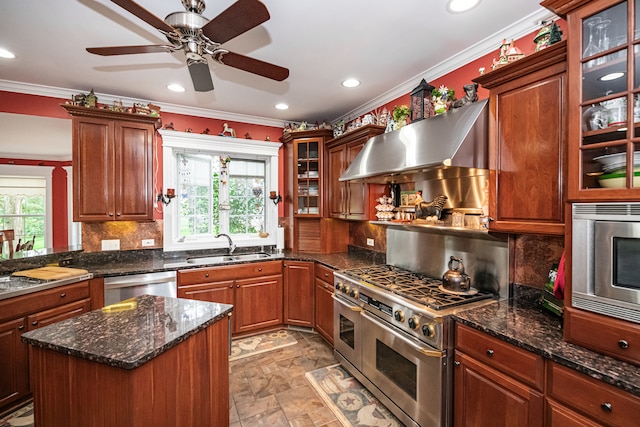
(522,322)
(127,338)
(161,361)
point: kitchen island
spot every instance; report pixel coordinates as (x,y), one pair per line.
(147,361)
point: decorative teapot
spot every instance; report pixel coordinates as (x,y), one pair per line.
(455,279)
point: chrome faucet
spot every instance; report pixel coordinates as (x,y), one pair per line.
(232,246)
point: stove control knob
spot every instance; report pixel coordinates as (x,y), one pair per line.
(413,322)
(399,315)
(339,286)
(354,293)
(346,289)
(428,331)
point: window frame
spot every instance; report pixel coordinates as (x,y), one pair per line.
(40,172)
(174,142)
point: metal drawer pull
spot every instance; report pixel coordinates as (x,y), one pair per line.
(21,327)
(607,407)
(62,295)
(623,344)
(34,323)
(490,352)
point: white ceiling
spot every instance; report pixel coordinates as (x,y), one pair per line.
(389,46)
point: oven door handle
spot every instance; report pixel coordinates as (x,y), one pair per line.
(355,308)
(427,352)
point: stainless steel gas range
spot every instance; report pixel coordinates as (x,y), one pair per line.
(393,329)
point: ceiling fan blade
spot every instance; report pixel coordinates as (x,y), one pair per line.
(145,15)
(128,50)
(251,65)
(238,18)
(200,75)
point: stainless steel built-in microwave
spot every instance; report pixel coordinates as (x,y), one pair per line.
(605,268)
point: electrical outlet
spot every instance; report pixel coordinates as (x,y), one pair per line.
(148,242)
(369,242)
(111,245)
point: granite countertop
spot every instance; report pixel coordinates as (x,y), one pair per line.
(128,338)
(522,322)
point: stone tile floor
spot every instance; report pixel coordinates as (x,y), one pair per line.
(270,389)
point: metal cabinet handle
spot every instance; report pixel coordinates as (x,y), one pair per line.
(21,327)
(62,295)
(456,363)
(623,344)
(206,274)
(490,352)
(118,214)
(110,213)
(237,286)
(34,323)
(607,407)
(326,274)
(260,269)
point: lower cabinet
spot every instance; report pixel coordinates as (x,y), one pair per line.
(498,384)
(255,291)
(324,302)
(26,313)
(495,383)
(298,293)
(577,399)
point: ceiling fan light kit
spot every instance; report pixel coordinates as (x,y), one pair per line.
(197,37)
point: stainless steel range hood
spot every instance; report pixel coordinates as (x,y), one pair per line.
(448,145)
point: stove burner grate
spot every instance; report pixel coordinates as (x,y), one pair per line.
(414,286)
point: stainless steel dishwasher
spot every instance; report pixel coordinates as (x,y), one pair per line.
(119,288)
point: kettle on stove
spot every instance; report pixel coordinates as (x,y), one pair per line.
(455,279)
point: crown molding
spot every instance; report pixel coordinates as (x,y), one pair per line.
(515,31)
(64,93)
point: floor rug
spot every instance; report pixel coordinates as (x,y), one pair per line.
(351,403)
(256,344)
(20,417)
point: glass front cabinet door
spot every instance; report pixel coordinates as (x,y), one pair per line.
(307,179)
(604,74)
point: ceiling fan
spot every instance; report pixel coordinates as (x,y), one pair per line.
(198,36)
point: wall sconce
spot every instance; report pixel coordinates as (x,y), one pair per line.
(166,198)
(273,195)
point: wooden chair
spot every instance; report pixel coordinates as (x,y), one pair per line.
(7,236)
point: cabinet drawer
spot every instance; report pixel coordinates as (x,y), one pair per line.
(594,398)
(42,300)
(228,272)
(603,334)
(58,314)
(324,273)
(504,357)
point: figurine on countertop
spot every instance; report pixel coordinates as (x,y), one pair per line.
(206,131)
(470,95)
(169,126)
(247,136)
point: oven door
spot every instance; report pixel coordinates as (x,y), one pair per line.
(347,331)
(411,373)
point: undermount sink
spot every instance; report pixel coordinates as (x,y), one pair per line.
(228,258)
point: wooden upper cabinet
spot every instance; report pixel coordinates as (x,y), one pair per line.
(527,143)
(348,200)
(604,101)
(112,165)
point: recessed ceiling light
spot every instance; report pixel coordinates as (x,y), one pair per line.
(282,106)
(611,76)
(175,87)
(459,6)
(351,83)
(4,53)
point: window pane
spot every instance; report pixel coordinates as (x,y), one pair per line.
(203,181)
(23,208)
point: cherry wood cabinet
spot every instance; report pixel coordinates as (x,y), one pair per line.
(255,290)
(349,200)
(495,383)
(527,142)
(298,293)
(112,165)
(324,302)
(306,230)
(577,399)
(14,363)
(28,312)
